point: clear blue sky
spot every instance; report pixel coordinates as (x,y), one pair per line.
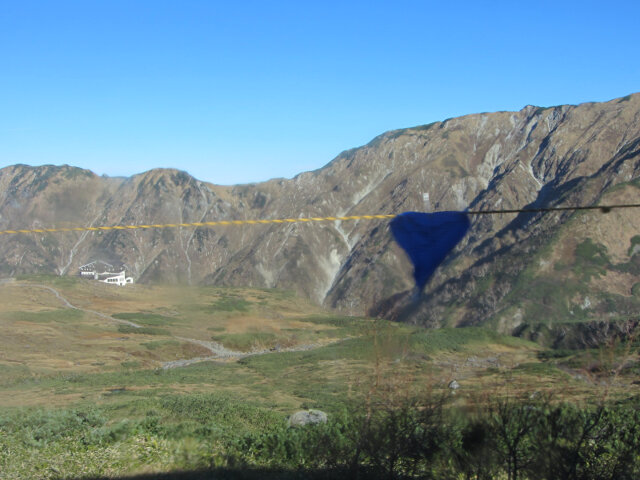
(243,92)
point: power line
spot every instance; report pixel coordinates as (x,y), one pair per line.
(603,208)
(198,224)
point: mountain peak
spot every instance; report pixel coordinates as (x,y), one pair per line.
(539,156)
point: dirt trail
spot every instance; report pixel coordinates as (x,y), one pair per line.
(68,304)
(221,353)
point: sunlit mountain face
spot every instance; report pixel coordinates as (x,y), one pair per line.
(510,271)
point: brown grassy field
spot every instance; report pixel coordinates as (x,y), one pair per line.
(53,354)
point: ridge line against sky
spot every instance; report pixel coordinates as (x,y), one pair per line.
(244,93)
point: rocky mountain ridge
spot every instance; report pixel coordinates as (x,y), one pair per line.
(565,155)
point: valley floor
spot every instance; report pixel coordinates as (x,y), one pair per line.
(97,380)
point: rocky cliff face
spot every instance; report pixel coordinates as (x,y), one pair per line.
(501,273)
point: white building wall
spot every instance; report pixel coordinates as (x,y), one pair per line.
(118,279)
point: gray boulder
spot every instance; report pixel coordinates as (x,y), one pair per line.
(307,417)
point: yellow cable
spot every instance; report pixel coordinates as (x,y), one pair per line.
(198,224)
(603,208)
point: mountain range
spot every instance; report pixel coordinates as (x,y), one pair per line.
(519,272)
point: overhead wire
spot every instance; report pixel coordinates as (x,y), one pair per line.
(602,208)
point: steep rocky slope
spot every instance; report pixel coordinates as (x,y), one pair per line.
(565,155)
